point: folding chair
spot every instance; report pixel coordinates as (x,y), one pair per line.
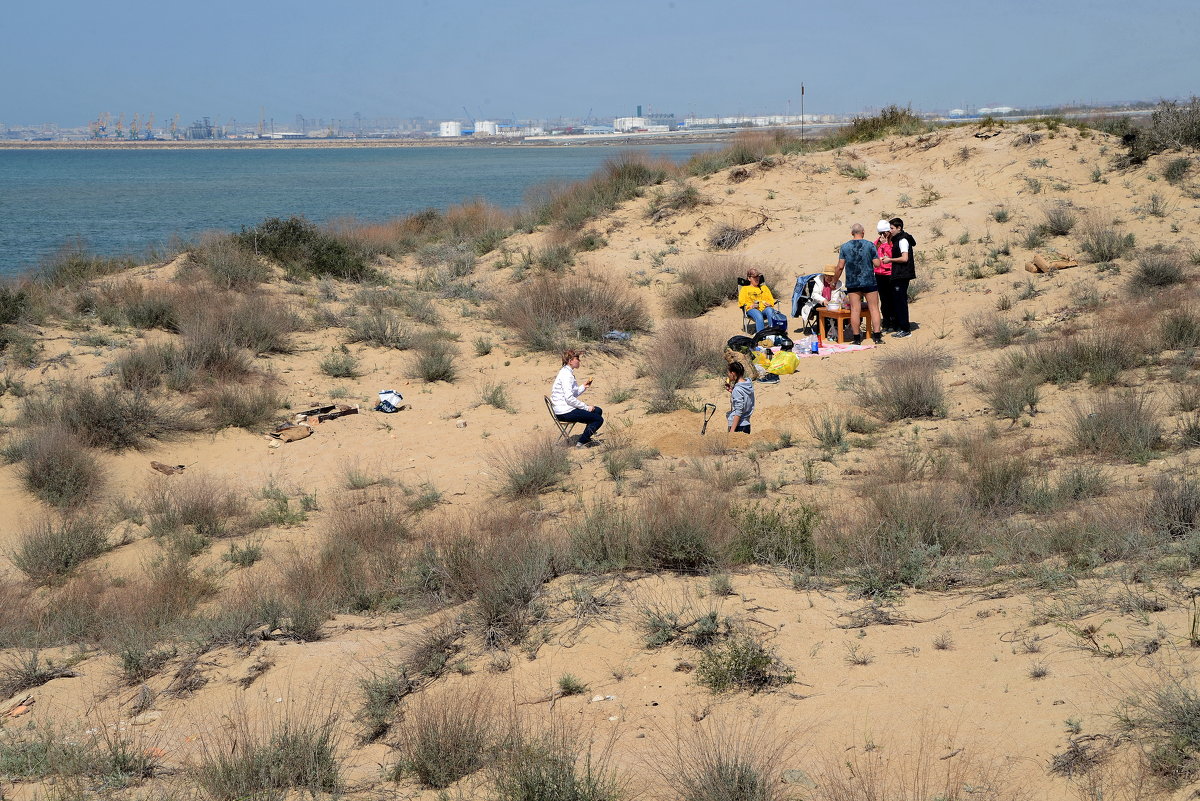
(564,428)
(748,325)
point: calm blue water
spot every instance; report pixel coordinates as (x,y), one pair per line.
(121,201)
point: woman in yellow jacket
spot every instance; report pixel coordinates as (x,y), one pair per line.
(758,302)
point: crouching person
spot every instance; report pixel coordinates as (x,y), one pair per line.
(741,398)
(564,400)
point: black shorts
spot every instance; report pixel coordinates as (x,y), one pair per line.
(862,290)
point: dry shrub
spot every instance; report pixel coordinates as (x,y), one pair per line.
(248,759)
(360,566)
(49,551)
(551,313)
(532,468)
(1059,219)
(146,368)
(381,327)
(1157,269)
(1179,328)
(74,264)
(908,385)
(1104,241)
(993,479)
(254,322)
(916,773)
(1162,717)
(741,662)
(601,537)
(194,503)
(719,760)
(571,206)
(903,532)
(223,260)
(1125,425)
(375,522)
(476,223)
(108,417)
(241,405)
(58,469)
(707,282)
(683,531)
(447,735)
(680,350)
(135,303)
(556,763)
(1099,355)
(501,561)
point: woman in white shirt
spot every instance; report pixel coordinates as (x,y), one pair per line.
(564,400)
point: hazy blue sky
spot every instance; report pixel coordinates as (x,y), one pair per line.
(64,61)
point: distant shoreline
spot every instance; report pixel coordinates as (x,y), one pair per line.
(310,144)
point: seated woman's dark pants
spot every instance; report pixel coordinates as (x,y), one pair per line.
(591,421)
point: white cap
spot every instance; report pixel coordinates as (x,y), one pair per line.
(882,225)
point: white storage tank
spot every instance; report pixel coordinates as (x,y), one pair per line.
(452,128)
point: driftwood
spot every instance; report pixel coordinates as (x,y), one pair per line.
(727,236)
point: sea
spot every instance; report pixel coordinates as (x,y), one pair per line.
(131,202)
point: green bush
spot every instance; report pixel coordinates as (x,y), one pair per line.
(74,264)
(742,662)
(304,249)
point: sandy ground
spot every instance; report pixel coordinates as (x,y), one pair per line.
(985,690)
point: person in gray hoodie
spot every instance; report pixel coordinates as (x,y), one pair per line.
(741,398)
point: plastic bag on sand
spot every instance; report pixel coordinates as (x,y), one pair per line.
(389,401)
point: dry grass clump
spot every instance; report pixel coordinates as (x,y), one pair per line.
(993,479)
(435,361)
(904,531)
(569,207)
(1179,328)
(108,417)
(1059,219)
(533,468)
(1103,242)
(938,767)
(244,760)
(74,264)
(1124,425)
(1163,720)
(252,322)
(908,385)
(24,671)
(381,327)
(500,564)
(241,406)
(707,282)
(717,761)
(49,551)
(58,469)
(681,350)
(475,224)
(728,234)
(683,532)
(1099,355)
(1157,269)
(446,736)
(555,764)
(682,196)
(1009,397)
(224,262)
(134,303)
(552,313)
(193,506)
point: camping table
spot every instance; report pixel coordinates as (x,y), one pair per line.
(841,316)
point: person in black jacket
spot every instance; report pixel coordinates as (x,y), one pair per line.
(904,269)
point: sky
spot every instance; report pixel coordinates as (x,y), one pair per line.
(65,61)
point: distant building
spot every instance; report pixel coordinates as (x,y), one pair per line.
(451,128)
(486,128)
(998,110)
(627,124)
